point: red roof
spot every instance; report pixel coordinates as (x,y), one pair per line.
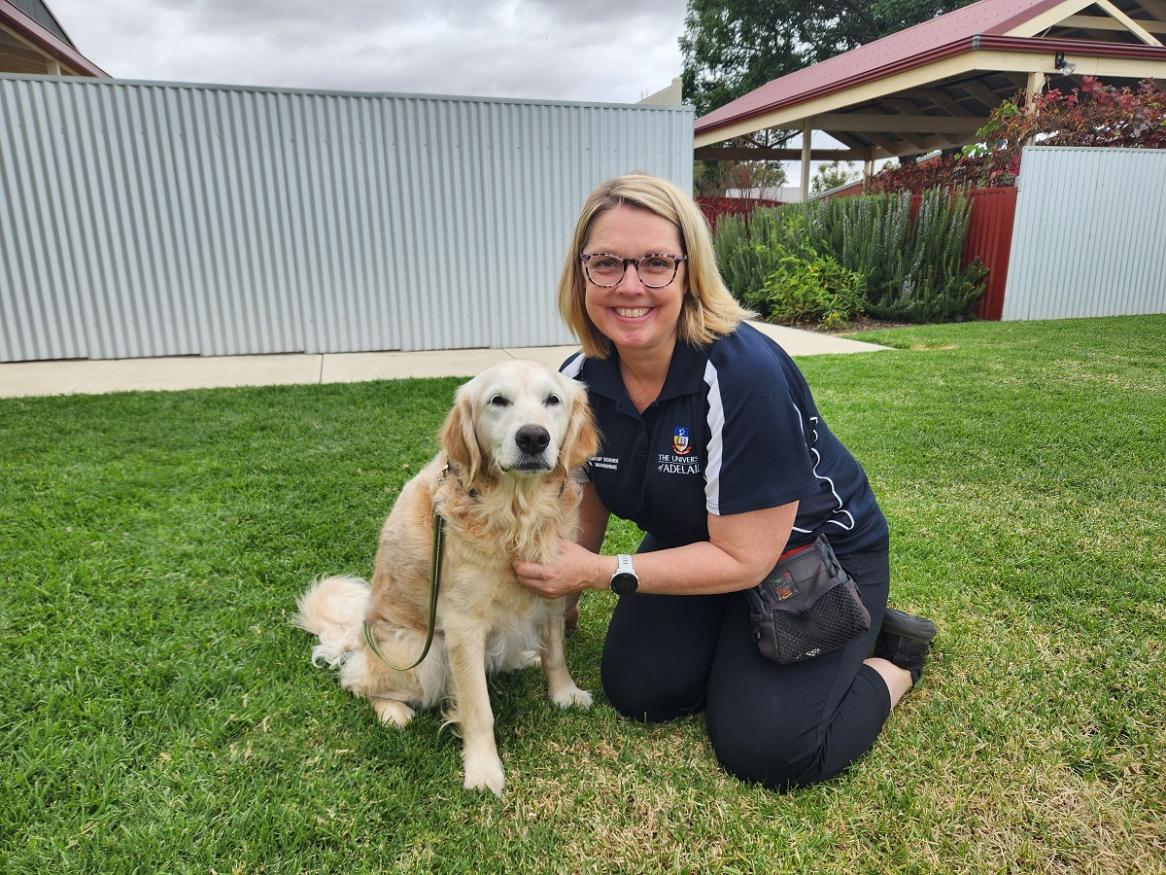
(950,34)
(39,35)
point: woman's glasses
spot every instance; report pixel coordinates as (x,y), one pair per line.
(654,271)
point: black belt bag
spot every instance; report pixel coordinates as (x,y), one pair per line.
(807,606)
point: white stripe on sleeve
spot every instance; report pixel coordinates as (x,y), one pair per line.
(716,423)
(573,367)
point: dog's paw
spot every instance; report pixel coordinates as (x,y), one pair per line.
(571,696)
(484,773)
(392,711)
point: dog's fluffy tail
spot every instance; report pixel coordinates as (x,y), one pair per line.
(333,609)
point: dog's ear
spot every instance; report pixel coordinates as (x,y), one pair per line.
(459,438)
(582,441)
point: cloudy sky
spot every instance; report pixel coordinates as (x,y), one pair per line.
(602,50)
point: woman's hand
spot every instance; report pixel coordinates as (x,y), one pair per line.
(576,569)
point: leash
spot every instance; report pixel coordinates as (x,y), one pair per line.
(435,586)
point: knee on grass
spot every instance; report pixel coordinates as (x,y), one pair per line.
(777,761)
(650,700)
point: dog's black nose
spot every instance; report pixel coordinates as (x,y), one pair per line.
(532,439)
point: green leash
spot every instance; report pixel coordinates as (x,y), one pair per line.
(438,549)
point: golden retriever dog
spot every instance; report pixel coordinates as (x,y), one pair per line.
(502,484)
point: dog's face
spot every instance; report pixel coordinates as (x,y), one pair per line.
(519,418)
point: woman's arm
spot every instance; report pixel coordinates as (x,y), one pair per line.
(742,548)
(592,520)
(592,527)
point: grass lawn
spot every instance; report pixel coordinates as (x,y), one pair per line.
(158,712)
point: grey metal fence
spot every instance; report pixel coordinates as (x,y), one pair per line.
(147,218)
(1090,234)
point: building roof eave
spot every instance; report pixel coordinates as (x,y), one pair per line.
(14,18)
(724,117)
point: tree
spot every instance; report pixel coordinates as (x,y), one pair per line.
(734,46)
(833,174)
(833,28)
(711,178)
(761,174)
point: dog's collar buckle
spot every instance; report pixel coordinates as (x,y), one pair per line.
(446,469)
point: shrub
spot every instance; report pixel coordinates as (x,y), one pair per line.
(799,262)
(953,301)
(750,248)
(807,286)
(866,234)
(925,282)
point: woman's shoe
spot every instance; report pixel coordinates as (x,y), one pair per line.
(904,640)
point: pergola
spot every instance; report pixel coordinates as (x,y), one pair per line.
(32,41)
(932,86)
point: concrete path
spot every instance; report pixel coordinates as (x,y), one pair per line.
(85,376)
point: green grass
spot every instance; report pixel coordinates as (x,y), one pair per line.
(158,713)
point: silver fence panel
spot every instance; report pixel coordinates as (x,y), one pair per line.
(1090,234)
(150,218)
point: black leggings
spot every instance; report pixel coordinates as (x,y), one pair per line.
(783,726)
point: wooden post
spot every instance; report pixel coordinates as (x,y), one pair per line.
(807,130)
(53,67)
(1036,82)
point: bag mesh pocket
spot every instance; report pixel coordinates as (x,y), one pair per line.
(807,606)
(836,618)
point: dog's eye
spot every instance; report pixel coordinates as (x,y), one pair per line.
(500,401)
(552,400)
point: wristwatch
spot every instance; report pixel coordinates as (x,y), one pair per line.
(625,579)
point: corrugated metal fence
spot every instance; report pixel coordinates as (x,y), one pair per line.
(1090,234)
(990,240)
(148,219)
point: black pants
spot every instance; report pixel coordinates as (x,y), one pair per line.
(780,725)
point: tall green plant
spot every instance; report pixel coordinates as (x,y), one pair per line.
(930,286)
(911,267)
(749,249)
(867,234)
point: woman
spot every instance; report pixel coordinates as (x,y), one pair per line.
(712,444)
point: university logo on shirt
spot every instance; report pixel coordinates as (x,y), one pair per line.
(680,443)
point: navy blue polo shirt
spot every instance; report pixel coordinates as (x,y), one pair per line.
(734,429)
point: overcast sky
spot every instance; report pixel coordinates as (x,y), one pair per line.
(601,50)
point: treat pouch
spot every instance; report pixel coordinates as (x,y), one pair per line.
(808,605)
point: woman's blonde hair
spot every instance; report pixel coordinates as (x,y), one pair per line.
(708,310)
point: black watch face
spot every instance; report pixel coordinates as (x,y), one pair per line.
(624,583)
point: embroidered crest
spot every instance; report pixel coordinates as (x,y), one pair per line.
(680,444)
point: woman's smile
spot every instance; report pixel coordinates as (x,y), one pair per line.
(632,312)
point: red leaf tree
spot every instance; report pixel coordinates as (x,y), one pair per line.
(1095,114)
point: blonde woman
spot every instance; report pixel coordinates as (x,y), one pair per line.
(712,444)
